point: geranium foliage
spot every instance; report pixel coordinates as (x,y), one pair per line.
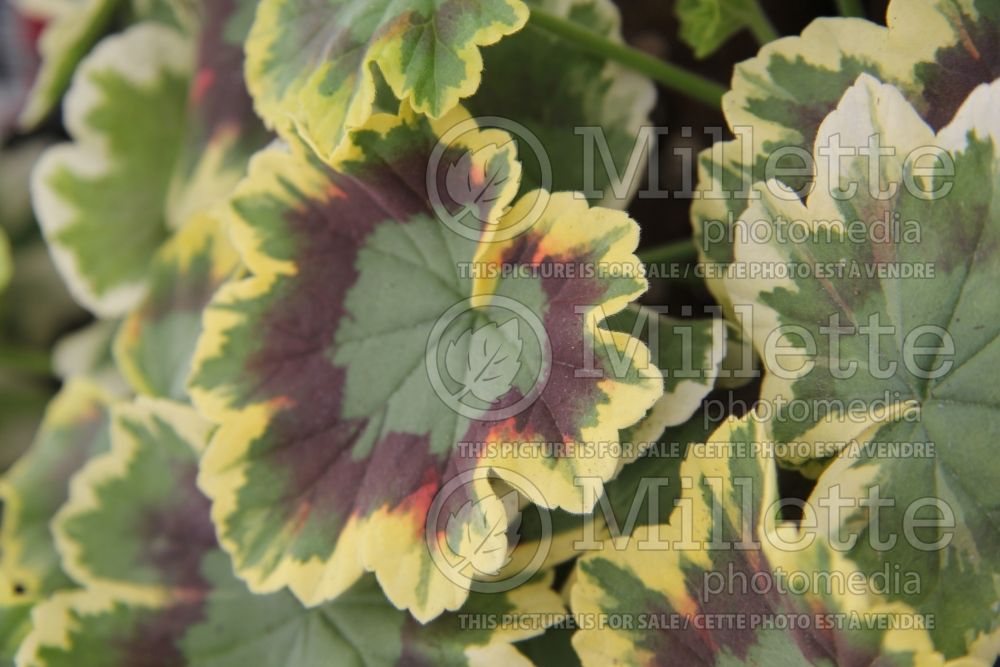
(155,342)
(316,417)
(74,430)
(71,30)
(85,192)
(726,522)
(551,102)
(935,51)
(175,599)
(162,127)
(311,65)
(370,364)
(935,389)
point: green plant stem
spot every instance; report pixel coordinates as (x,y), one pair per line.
(678,251)
(673,77)
(24,360)
(851,8)
(761,26)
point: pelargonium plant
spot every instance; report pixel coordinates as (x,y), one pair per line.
(378,368)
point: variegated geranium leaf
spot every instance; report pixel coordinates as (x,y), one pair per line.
(930,530)
(641,494)
(934,51)
(955,45)
(689,354)
(130,511)
(137,535)
(75,429)
(15,624)
(156,341)
(72,28)
(342,412)
(674,594)
(125,112)
(87,352)
(221,131)
(229,627)
(913,334)
(310,63)
(162,128)
(582,110)
(777,102)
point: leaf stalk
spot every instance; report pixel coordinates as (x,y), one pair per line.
(668,253)
(760,25)
(669,75)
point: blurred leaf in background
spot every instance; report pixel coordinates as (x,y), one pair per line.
(35,308)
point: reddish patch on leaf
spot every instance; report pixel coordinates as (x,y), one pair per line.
(203,81)
(219,86)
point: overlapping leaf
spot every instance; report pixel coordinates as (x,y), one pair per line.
(911,351)
(241,628)
(221,131)
(156,341)
(137,534)
(681,593)
(15,624)
(72,28)
(109,188)
(641,494)
(74,430)
(935,51)
(162,131)
(23,316)
(571,91)
(311,63)
(334,439)
(87,352)
(689,354)
(955,47)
